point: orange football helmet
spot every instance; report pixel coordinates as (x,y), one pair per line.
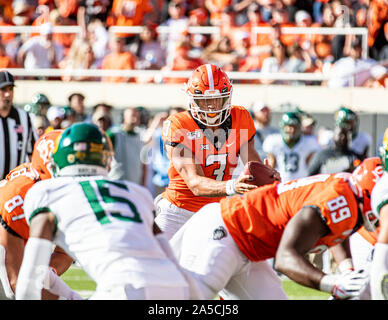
(209,90)
(41,155)
(362,181)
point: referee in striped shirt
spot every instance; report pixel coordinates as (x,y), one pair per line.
(17,135)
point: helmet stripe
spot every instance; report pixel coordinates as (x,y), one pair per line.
(210,76)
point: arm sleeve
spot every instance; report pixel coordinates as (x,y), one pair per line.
(34,269)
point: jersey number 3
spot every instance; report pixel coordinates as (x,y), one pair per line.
(103,189)
(221,159)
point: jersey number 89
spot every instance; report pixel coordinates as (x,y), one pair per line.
(339,209)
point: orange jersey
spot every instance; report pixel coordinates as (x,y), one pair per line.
(371,237)
(13,190)
(123,61)
(256,220)
(217,163)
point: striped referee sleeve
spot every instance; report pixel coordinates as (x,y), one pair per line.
(17,138)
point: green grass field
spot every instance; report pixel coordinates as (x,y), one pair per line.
(78,280)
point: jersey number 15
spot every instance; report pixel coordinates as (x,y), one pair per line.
(103,190)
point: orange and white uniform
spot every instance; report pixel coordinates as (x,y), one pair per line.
(217,162)
(226,245)
(257,220)
(13,190)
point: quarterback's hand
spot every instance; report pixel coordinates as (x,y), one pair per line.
(240,185)
(345,286)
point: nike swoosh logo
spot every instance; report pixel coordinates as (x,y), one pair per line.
(230,144)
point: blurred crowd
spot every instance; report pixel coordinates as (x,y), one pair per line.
(236,47)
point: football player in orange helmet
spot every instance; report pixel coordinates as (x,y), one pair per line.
(204,144)
(14,230)
(226,244)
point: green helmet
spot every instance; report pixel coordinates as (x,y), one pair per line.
(41,101)
(291,118)
(40,98)
(69,111)
(345,117)
(81,150)
(383,151)
(32,108)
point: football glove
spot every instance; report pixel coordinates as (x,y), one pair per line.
(344,286)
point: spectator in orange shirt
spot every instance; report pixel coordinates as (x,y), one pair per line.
(67,8)
(54,17)
(383,53)
(281,16)
(66,39)
(259,41)
(5,60)
(198,17)
(216,7)
(129,13)
(229,28)
(5,37)
(322,43)
(377,16)
(118,59)
(7,12)
(183,62)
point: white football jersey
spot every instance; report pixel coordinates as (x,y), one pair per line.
(106,226)
(291,163)
(379,196)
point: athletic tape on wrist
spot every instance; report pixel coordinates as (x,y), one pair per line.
(346,265)
(230,190)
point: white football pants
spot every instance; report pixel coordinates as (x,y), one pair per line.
(204,247)
(361,251)
(169,217)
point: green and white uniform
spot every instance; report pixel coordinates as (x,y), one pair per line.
(107,227)
(379,269)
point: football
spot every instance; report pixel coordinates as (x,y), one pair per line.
(262,174)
